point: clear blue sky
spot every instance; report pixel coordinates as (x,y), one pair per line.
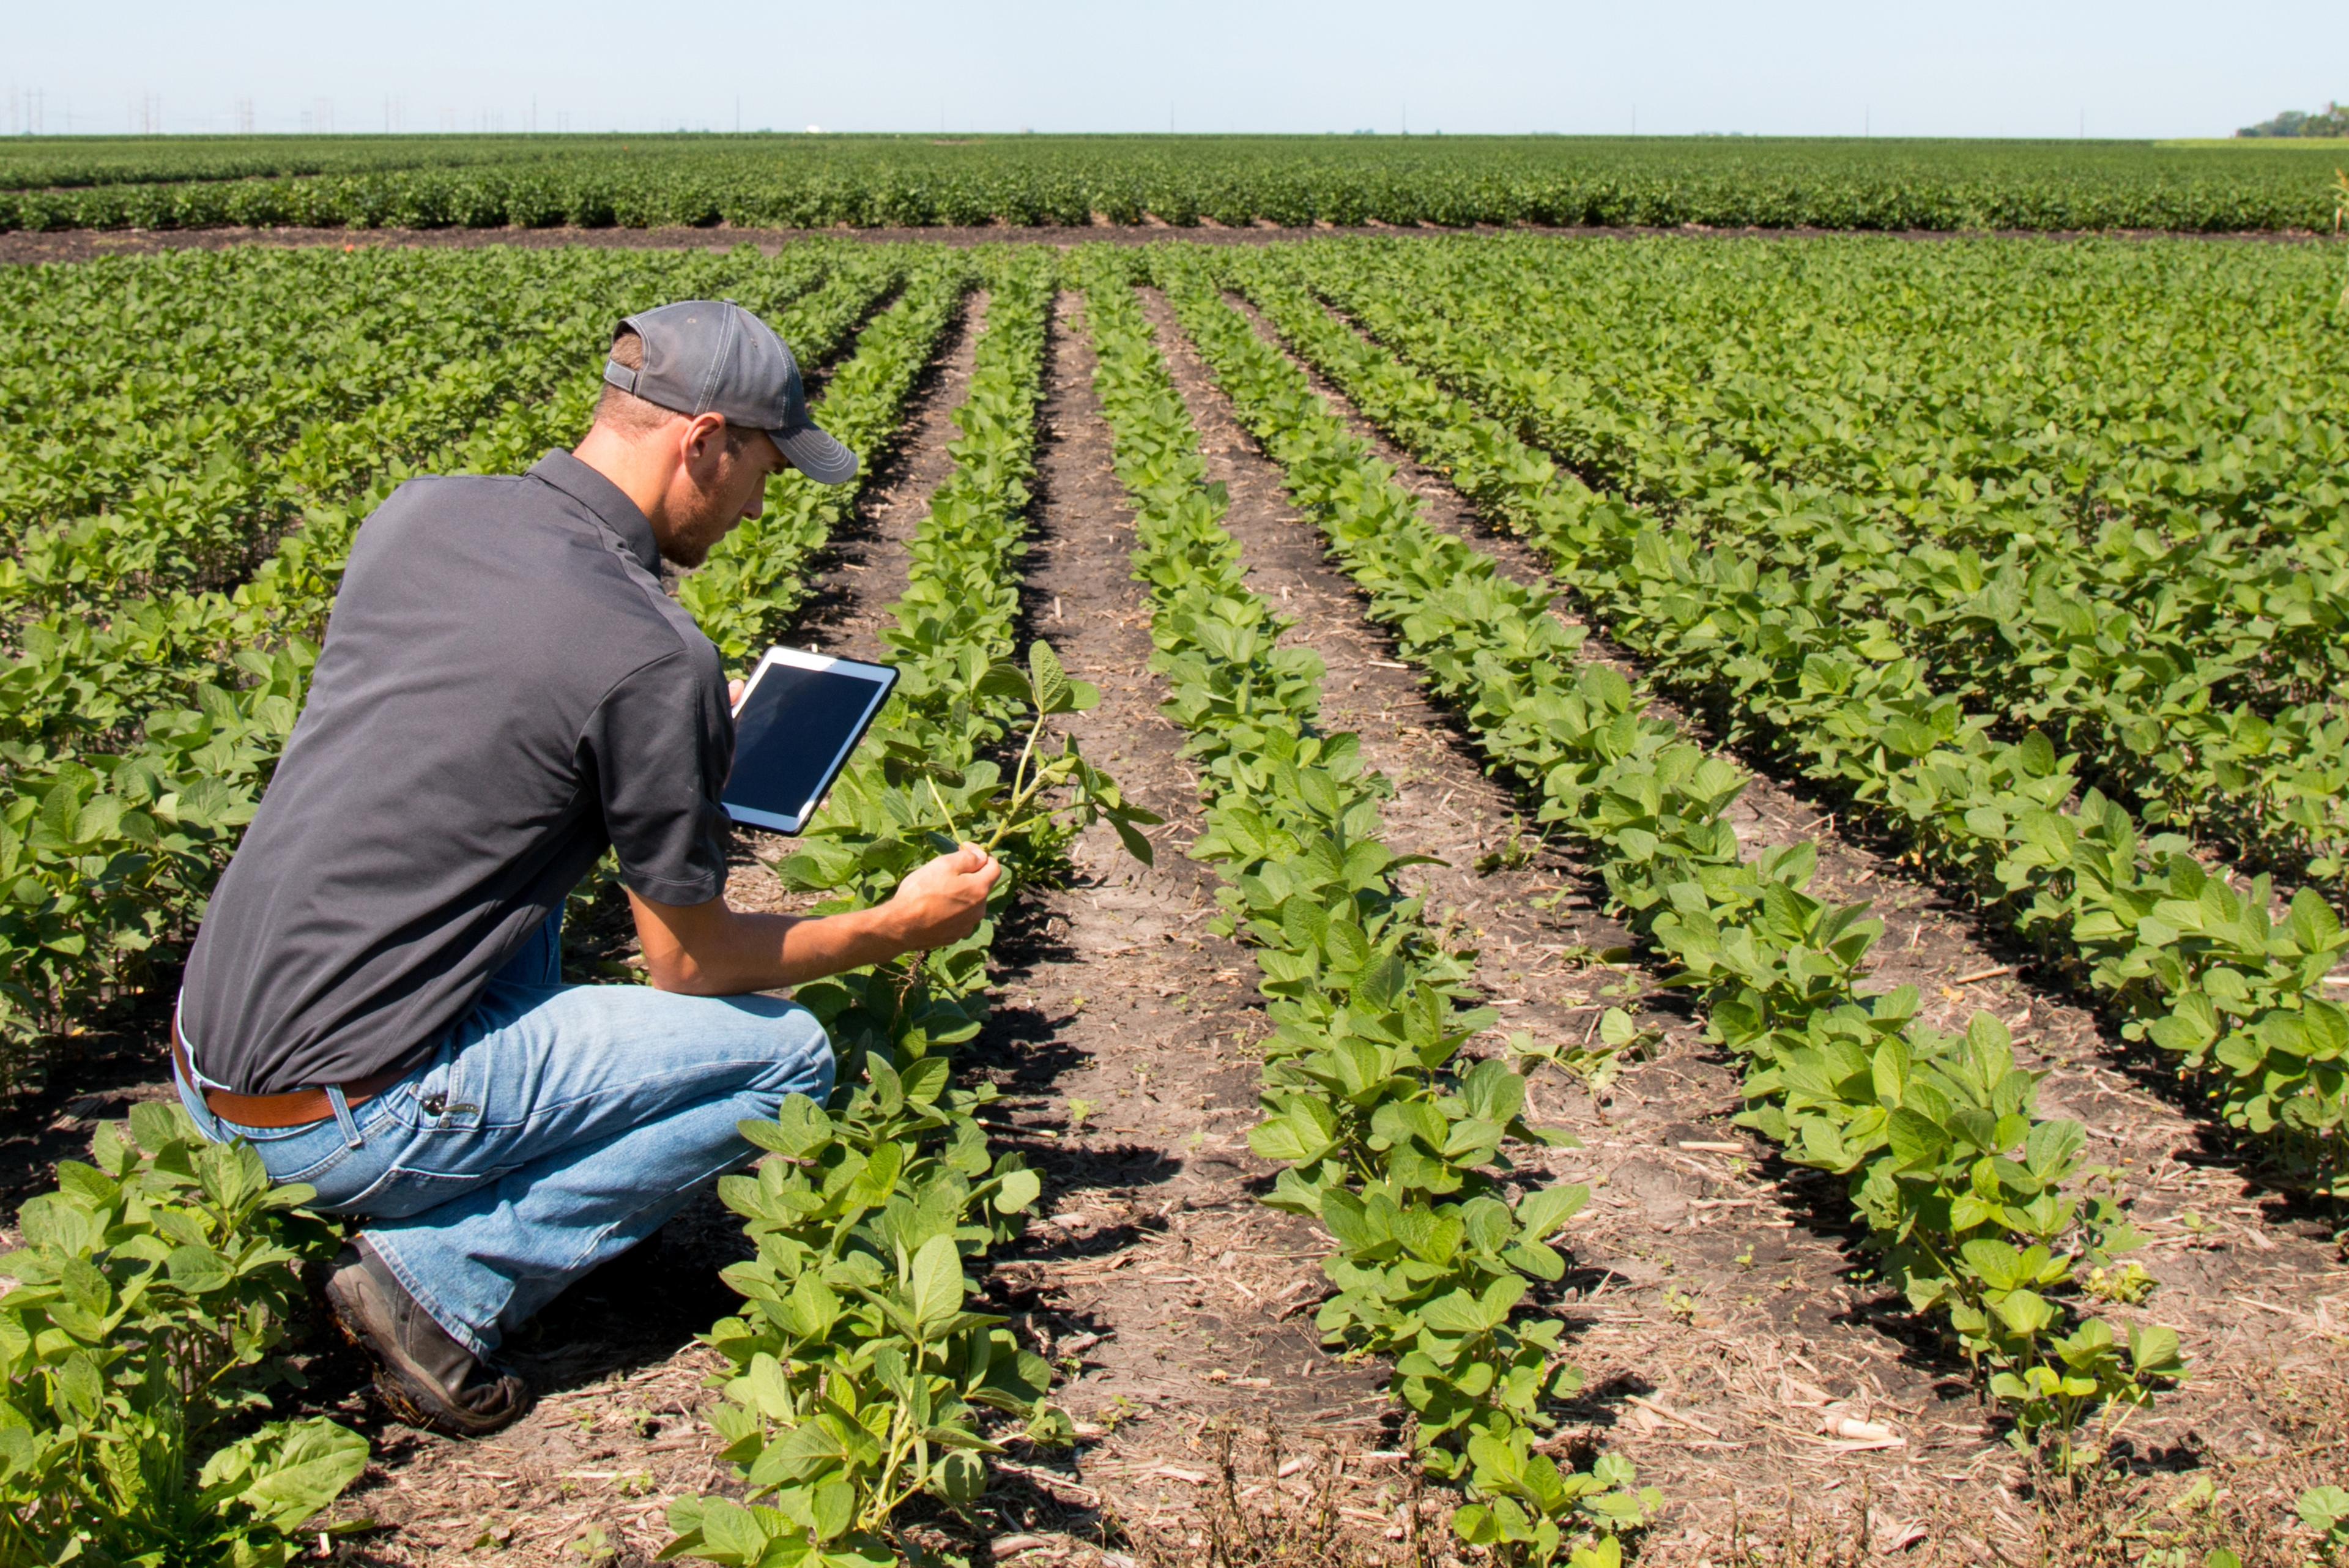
(1960,68)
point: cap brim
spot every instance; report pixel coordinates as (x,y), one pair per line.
(815,454)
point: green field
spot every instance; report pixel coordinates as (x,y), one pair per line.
(817,181)
(2029,561)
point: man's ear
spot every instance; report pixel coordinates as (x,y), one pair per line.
(702,439)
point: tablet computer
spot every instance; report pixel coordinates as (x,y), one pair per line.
(800,716)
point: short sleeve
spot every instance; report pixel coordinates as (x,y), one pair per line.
(658,747)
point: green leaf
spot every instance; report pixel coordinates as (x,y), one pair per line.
(2154,1351)
(1136,845)
(936,1292)
(2323,1509)
(1545,1209)
(198,1271)
(799,1129)
(1004,679)
(1049,688)
(1018,1189)
(285,1473)
(2025,1312)
(1917,1142)
(1994,1263)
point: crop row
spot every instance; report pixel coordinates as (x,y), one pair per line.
(2167,602)
(106,852)
(140,1340)
(38,163)
(1961,1186)
(857,1373)
(87,670)
(2177,384)
(804,181)
(155,1287)
(185,504)
(2193,964)
(1384,1132)
(298,334)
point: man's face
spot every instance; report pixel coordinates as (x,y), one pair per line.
(718,483)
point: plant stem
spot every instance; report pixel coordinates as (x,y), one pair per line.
(944,810)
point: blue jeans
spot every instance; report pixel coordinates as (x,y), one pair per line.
(555,1128)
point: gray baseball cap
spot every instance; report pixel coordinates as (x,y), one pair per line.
(712,356)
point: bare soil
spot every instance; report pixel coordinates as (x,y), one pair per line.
(1734,1307)
(1124,1042)
(862,571)
(1717,1301)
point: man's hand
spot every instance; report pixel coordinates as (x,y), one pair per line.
(943,901)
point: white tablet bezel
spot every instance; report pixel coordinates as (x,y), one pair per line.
(882,678)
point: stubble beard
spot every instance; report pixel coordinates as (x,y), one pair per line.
(685,555)
(690,546)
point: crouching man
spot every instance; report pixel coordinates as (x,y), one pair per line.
(375,1000)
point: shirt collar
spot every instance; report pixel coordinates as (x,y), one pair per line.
(605,500)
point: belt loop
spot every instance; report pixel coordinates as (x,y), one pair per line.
(200,1112)
(343,1118)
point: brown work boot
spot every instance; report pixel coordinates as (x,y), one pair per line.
(427,1378)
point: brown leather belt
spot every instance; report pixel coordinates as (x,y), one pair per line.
(293,1108)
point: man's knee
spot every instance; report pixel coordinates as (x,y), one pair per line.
(798,1053)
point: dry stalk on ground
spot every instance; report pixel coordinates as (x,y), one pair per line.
(1288,1510)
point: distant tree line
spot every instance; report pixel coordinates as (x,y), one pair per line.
(2331,121)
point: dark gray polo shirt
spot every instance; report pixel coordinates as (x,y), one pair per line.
(504,690)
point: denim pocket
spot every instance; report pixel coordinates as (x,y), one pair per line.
(440,1099)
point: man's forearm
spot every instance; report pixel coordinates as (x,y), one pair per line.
(779,950)
(713,949)
(727,952)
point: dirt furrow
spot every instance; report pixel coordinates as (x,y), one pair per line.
(2178,1164)
(1491,892)
(1702,1283)
(619,1430)
(862,571)
(1123,1040)
(1724,1253)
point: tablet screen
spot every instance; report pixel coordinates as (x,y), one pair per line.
(801,715)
